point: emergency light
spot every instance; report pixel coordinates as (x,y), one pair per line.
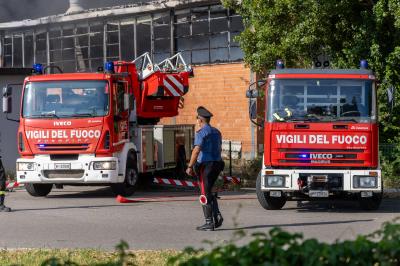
(280,64)
(38,68)
(363,64)
(109,67)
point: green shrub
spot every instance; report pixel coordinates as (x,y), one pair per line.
(390,163)
(282,248)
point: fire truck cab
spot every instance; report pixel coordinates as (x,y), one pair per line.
(320,137)
(101,128)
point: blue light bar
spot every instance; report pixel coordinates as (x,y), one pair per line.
(280,64)
(109,67)
(38,68)
(364,64)
(303,155)
(42,145)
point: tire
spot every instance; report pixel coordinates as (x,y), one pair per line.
(266,201)
(131,182)
(38,190)
(371,204)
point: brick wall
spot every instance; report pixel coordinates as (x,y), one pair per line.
(221,89)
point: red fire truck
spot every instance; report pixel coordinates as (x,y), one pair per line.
(101,128)
(320,136)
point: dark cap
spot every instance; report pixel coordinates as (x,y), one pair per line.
(203,112)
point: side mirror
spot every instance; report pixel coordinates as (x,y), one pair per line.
(252,94)
(390,98)
(253,110)
(261,82)
(126,101)
(7,100)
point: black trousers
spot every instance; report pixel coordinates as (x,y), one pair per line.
(208,173)
(2,177)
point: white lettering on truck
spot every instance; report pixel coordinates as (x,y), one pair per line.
(321,156)
(62,134)
(62,123)
(321,139)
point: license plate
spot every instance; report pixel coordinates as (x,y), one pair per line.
(319,193)
(276,194)
(366,194)
(62,166)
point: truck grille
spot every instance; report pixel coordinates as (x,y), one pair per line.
(73,174)
(63,147)
(321,150)
(331,156)
(328,181)
(332,161)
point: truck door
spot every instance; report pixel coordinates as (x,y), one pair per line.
(121,114)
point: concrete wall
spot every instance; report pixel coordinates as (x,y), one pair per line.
(221,89)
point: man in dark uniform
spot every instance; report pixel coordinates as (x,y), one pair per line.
(206,163)
(3,189)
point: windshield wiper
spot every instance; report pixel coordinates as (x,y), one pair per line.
(341,119)
(83,115)
(46,114)
(307,119)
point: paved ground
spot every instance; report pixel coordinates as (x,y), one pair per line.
(82,217)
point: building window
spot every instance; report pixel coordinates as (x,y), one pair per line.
(96,47)
(206,34)
(128,45)
(161,36)
(143,36)
(202,34)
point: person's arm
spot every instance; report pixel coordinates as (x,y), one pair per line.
(193,159)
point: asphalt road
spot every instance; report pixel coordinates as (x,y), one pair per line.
(90,217)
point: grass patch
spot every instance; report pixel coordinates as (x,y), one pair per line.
(37,257)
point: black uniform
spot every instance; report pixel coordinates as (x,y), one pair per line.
(208,166)
(3,189)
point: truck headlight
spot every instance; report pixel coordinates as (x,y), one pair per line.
(24,166)
(107,165)
(275,181)
(365,182)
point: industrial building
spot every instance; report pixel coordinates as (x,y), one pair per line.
(83,37)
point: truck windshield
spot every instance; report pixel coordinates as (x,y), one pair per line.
(321,100)
(65,99)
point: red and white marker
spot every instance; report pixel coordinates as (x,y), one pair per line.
(174,86)
(183,183)
(11,185)
(178,198)
(175,182)
(235,180)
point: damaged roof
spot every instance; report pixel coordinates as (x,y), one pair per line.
(142,7)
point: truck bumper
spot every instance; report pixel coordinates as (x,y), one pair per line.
(41,169)
(322,182)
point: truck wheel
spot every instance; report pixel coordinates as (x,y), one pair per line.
(265,200)
(38,190)
(129,186)
(371,204)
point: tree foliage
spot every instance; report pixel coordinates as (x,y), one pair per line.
(298,31)
(279,247)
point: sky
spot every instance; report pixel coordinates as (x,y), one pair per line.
(11,10)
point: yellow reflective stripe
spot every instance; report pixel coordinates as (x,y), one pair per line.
(2,193)
(277,117)
(289,113)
